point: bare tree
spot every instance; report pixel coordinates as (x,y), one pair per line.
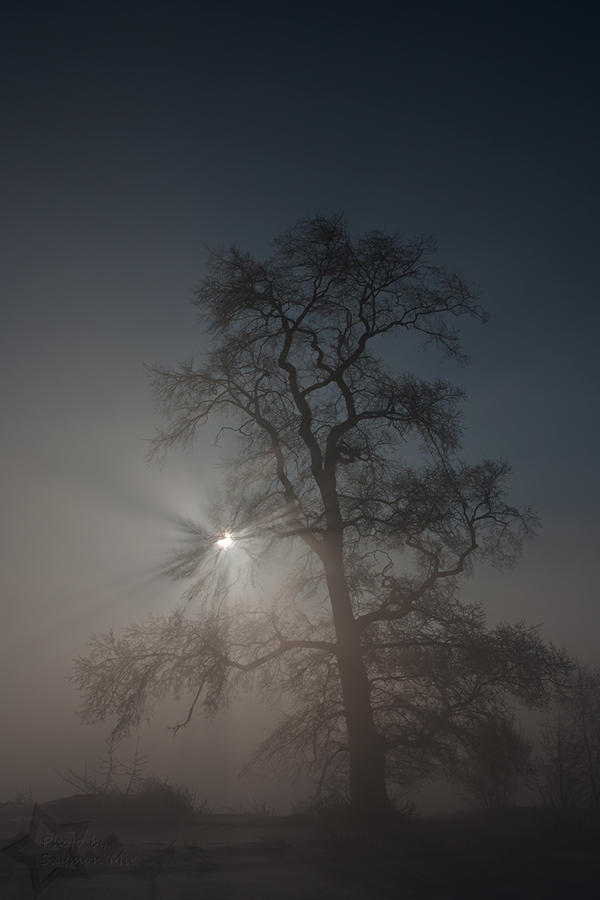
(352,473)
(585,717)
(557,776)
(112,775)
(567,772)
(495,762)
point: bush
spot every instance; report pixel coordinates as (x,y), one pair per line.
(158,799)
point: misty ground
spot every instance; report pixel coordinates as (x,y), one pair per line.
(528,853)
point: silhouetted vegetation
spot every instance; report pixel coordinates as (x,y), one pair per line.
(567,767)
(349,476)
(494,763)
(120,789)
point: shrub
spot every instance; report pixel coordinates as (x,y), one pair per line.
(157,798)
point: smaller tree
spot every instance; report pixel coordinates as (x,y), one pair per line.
(557,768)
(494,763)
(585,709)
(112,775)
(567,768)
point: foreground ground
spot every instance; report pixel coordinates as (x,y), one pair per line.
(520,853)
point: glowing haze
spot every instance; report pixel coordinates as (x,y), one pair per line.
(135,140)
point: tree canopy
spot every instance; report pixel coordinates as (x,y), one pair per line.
(347,471)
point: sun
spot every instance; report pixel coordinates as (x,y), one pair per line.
(226,541)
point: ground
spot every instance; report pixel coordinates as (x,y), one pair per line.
(520,853)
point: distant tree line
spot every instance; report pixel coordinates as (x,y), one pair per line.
(559,767)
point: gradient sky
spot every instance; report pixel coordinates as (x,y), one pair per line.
(136,134)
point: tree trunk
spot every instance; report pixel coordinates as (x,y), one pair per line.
(368,791)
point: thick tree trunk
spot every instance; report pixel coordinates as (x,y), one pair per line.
(368,790)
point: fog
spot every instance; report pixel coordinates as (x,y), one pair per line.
(89,523)
(117,176)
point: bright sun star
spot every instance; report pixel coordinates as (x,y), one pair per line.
(226,541)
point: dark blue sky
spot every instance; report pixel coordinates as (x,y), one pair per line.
(136,133)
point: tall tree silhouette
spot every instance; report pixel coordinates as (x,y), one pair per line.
(358,467)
